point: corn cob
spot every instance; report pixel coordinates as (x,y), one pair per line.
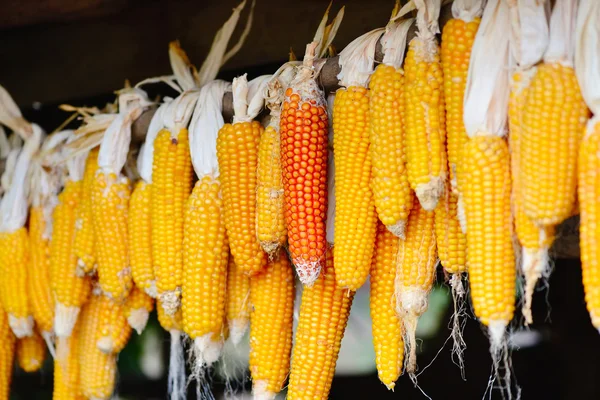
(356,219)
(113,329)
(237,152)
(39,291)
(84,226)
(237,302)
(7,346)
(304,161)
(586,61)
(66,368)
(389,179)
(424,108)
(272,298)
(387,326)
(323,317)
(137,309)
(31,352)
(97,369)
(140,238)
(415,274)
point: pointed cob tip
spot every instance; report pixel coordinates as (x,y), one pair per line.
(237,330)
(271,248)
(105,344)
(21,326)
(496,330)
(65,318)
(410,304)
(138,319)
(535,264)
(397,229)
(460,214)
(206,350)
(390,386)
(429,193)
(49,339)
(260,390)
(170,301)
(308,271)
(151,289)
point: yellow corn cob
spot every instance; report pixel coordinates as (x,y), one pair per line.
(486,190)
(84,227)
(588,192)
(553,122)
(66,368)
(272,297)
(137,309)
(425,122)
(356,219)
(31,352)
(171,186)
(97,369)
(38,283)
(238,301)
(113,329)
(387,326)
(270,223)
(450,239)
(70,290)
(14,261)
(323,316)
(237,151)
(457,40)
(7,347)
(205,255)
(110,207)
(389,180)
(415,274)
(140,238)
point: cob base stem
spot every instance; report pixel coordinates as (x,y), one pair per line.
(500,359)
(206,352)
(138,319)
(151,290)
(429,193)
(237,329)
(176,379)
(171,301)
(65,318)
(535,265)
(49,339)
(397,229)
(308,271)
(260,392)
(21,327)
(412,303)
(270,248)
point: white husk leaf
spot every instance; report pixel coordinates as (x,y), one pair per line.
(75,161)
(204,128)
(257,92)
(428,13)
(326,33)
(115,143)
(233,51)
(561,47)
(488,84)
(147,150)
(467,10)
(587,56)
(185,72)
(4,144)
(529,32)
(239,87)
(9,167)
(11,116)
(14,205)
(358,58)
(393,42)
(330,223)
(178,113)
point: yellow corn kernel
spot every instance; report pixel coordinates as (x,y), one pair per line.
(97,369)
(140,238)
(205,255)
(7,352)
(137,309)
(450,239)
(70,290)
(110,207)
(238,301)
(14,261)
(588,192)
(323,317)
(113,329)
(415,274)
(66,368)
(272,298)
(425,123)
(457,40)
(38,282)
(389,179)
(237,151)
(270,223)
(171,186)
(553,122)
(31,352)
(491,258)
(356,219)
(387,326)
(84,227)
(169,322)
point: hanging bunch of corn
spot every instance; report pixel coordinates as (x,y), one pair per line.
(389,179)
(548,188)
(140,207)
(31,352)
(527,48)
(586,62)
(205,246)
(7,354)
(356,219)
(137,309)
(486,187)
(110,199)
(425,137)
